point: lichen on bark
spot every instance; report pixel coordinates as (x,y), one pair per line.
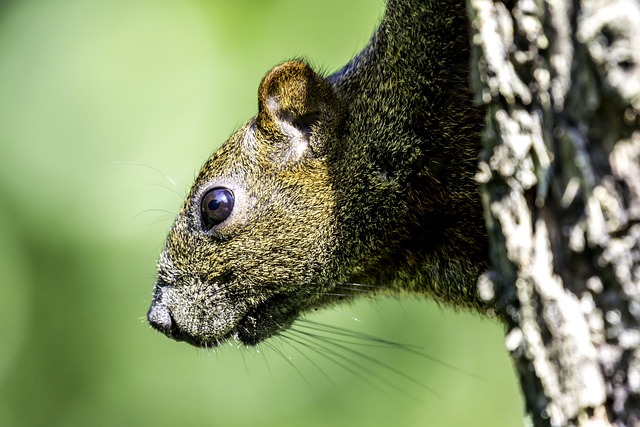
(560,182)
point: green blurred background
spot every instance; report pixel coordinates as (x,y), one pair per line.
(89,90)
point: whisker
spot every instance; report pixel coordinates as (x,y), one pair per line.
(353,289)
(324,351)
(356,287)
(146,211)
(351,342)
(359,285)
(286,340)
(159,220)
(152,168)
(244,360)
(411,349)
(287,359)
(337,330)
(173,190)
(170,216)
(335,295)
(370,359)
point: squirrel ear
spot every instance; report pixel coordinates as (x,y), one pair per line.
(293,100)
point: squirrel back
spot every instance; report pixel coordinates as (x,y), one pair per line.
(362,180)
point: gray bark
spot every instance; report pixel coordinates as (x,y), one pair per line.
(560,181)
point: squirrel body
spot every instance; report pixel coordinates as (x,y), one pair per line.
(360,181)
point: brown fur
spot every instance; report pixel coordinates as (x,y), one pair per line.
(365,177)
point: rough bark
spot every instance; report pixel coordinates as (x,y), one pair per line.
(560,179)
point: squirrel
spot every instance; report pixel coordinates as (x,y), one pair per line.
(360,182)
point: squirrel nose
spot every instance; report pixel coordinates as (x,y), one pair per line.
(159,316)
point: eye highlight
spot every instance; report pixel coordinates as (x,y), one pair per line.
(216,206)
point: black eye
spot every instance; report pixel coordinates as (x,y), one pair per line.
(217,205)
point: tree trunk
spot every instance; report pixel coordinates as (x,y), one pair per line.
(560,182)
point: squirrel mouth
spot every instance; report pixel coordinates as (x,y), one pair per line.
(260,322)
(266,319)
(162,320)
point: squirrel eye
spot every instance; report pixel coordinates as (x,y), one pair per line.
(217,205)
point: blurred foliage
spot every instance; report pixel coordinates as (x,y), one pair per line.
(100,102)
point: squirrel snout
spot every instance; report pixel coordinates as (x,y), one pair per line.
(159,316)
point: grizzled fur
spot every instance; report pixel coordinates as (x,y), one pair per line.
(365,177)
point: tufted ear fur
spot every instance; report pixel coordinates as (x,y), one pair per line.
(296,103)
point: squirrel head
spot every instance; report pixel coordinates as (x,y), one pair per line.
(251,247)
